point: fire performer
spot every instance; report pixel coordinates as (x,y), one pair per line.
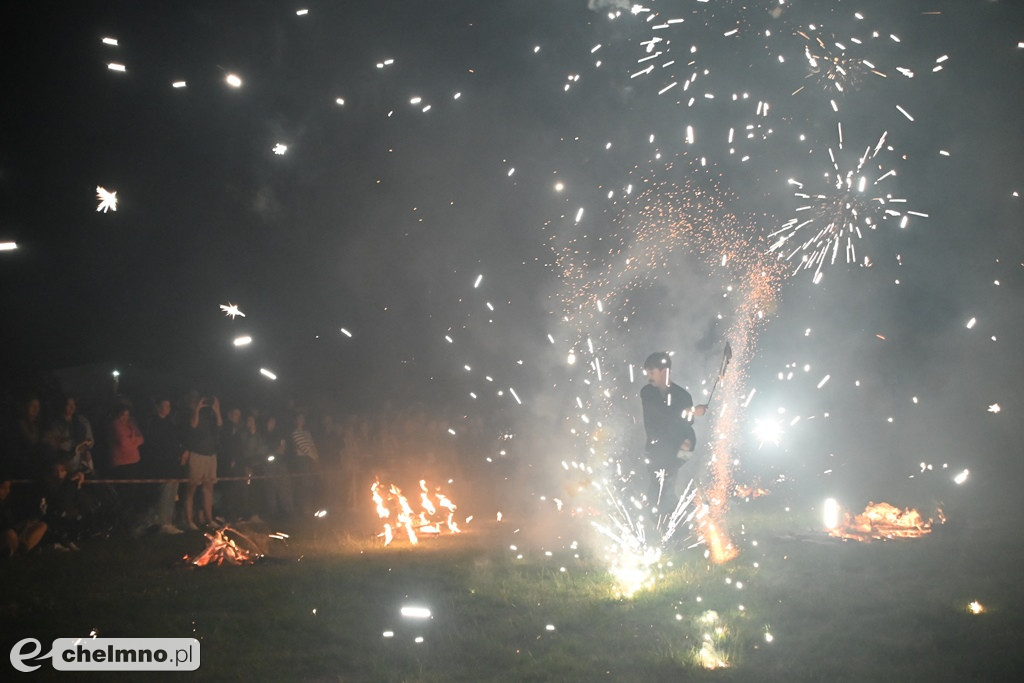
(668,422)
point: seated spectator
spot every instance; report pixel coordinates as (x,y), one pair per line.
(20,534)
(61,504)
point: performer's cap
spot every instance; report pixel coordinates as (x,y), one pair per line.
(658,360)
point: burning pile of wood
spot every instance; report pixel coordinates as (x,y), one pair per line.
(883,521)
(437,512)
(224,549)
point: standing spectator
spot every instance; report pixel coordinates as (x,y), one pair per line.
(70,435)
(230,464)
(125,439)
(306,464)
(163,453)
(252,461)
(203,443)
(278,485)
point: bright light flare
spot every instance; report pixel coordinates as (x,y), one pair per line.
(242,341)
(231,310)
(975,607)
(767,431)
(108,200)
(114,66)
(8,246)
(267,373)
(962,477)
(233,80)
(280,149)
(830,513)
(412,612)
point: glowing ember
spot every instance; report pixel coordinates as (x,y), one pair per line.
(975,607)
(436,513)
(883,521)
(222,548)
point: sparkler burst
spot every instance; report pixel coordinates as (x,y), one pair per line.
(108,200)
(835,212)
(231,310)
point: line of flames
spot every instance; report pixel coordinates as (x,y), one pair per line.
(389,499)
(883,521)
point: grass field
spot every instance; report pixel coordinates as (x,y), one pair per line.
(793,606)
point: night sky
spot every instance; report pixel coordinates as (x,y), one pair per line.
(382,214)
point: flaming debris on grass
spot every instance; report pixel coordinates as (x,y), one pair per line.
(229,546)
(436,513)
(883,521)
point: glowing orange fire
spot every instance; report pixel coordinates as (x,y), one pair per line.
(433,517)
(746,491)
(222,548)
(883,521)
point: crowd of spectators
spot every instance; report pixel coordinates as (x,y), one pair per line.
(190,463)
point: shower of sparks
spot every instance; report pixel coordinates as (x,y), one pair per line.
(831,64)
(833,216)
(108,200)
(231,310)
(660,229)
